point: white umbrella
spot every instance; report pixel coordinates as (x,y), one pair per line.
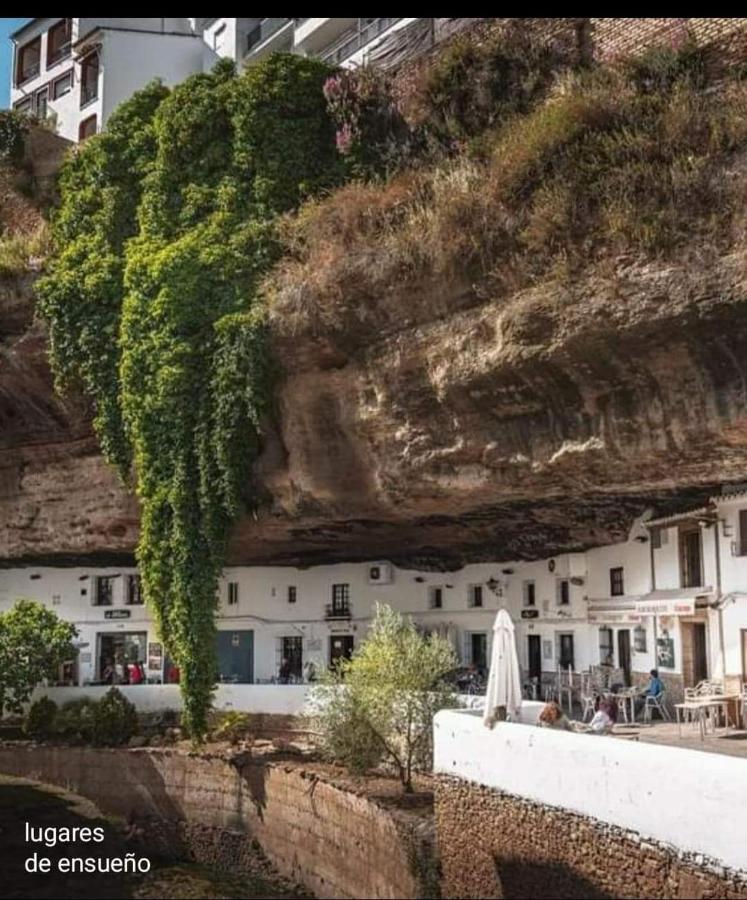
(504,680)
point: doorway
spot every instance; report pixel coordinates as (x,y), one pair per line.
(116,650)
(478,651)
(291,648)
(623,654)
(341,646)
(566,651)
(694,653)
(235,650)
(744,656)
(534,656)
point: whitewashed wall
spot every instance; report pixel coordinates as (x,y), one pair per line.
(690,799)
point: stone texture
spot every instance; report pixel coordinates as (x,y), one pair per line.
(492,844)
(211,808)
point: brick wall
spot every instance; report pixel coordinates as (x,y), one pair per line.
(494,845)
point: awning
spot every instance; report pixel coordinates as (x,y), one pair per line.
(675,602)
(621,611)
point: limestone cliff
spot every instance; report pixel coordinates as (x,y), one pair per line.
(436,435)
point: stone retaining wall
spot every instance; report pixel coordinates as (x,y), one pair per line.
(210,809)
(493,844)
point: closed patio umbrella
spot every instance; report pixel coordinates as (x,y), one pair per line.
(503,695)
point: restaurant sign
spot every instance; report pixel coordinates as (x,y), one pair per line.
(682,607)
(117,614)
(614,617)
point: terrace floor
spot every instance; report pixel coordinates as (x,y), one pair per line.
(730,741)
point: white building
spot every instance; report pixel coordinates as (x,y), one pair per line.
(673,596)
(77,71)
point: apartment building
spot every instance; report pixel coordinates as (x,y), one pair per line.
(75,72)
(672,596)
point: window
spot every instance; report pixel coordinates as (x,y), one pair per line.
(617,585)
(292,593)
(233,593)
(340,597)
(474,596)
(89,79)
(290,665)
(62,85)
(87,128)
(477,650)
(691,558)
(742,545)
(436,597)
(59,41)
(606,651)
(25,106)
(639,639)
(28,61)
(103,594)
(41,98)
(530,595)
(134,591)
(563,592)
(659,537)
(219,37)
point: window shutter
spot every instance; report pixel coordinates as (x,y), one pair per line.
(743,532)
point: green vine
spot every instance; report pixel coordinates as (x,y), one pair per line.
(167,225)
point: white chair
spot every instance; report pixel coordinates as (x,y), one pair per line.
(657,702)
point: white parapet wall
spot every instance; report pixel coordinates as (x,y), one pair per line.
(277,699)
(693,800)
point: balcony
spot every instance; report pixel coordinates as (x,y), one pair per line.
(337,610)
(259,37)
(28,73)
(353,40)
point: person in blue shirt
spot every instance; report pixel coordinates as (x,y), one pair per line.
(654,688)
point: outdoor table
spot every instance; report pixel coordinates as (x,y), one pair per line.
(700,706)
(628,695)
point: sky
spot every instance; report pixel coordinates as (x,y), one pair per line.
(6,27)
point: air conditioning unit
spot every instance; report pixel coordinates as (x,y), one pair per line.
(380,573)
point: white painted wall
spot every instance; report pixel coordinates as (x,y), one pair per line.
(276,699)
(690,799)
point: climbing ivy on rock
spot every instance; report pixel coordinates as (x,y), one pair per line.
(152,302)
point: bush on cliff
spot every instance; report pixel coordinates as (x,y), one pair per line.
(114,720)
(378,707)
(39,721)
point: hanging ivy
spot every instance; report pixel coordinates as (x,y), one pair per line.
(166,226)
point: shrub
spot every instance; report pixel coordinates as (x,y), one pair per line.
(74,721)
(13,127)
(379,705)
(39,723)
(114,719)
(232,726)
(21,252)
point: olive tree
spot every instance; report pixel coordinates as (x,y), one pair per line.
(379,705)
(34,641)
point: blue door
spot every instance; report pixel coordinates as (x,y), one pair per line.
(236,656)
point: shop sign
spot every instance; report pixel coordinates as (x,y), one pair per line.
(665,607)
(530,614)
(117,614)
(609,617)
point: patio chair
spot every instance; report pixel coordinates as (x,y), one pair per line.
(588,706)
(656,702)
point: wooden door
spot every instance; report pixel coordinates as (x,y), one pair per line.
(534,656)
(623,654)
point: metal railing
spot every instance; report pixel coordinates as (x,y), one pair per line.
(353,40)
(265,29)
(339,609)
(28,73)
(63,51)
(88,92)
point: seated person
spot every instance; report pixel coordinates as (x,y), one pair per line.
(552,716)
(604,718)
(654,688)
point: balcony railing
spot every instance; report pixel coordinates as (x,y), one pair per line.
(337,610)
(63,51)
(265,29)
(88,93)
(353,40)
